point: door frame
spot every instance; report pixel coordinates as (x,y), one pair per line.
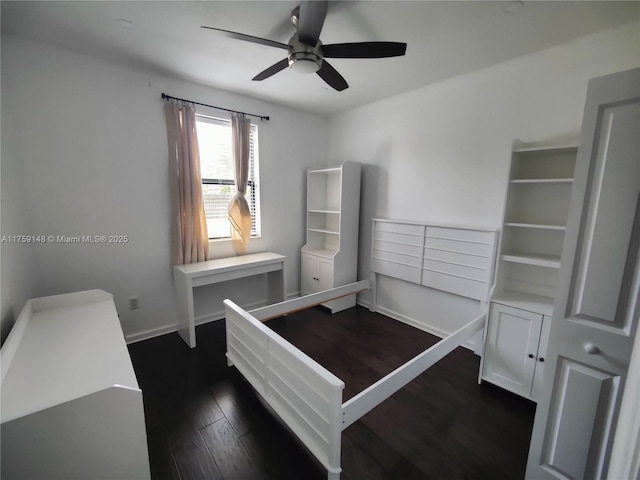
(627,436)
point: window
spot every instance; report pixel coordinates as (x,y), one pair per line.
(218,186)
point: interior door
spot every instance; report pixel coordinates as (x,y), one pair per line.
(596,309)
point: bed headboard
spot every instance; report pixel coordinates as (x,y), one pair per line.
(454,259)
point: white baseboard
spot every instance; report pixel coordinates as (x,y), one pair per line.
(469,344)
(200,320)
(152,333)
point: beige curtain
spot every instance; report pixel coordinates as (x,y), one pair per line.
(239,212)
(190,240)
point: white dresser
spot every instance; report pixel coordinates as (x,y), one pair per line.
(71,404)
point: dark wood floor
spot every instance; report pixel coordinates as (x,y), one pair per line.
(205,422)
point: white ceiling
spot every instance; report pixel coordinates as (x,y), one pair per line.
(445,39)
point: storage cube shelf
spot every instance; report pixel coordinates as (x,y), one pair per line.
(324,221)
(549,163)
(324,190)
(540,203)
(527,241)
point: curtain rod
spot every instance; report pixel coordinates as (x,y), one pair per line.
(169,97)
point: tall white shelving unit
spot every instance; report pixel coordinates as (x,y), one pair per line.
(534,224)
(330,255)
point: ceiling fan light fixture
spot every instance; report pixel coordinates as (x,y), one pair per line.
(305,50)
(305,62)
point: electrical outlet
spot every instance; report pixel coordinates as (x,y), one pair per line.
(133,303)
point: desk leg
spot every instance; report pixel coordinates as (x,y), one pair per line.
(186,318)
(275,281)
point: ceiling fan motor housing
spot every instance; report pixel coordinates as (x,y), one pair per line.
(304,58)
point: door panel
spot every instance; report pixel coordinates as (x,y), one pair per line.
(581,420)
(610,210)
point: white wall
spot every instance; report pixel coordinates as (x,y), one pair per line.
(16,263)
(89,137)
(441,153)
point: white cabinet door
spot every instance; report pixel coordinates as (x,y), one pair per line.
(541,360)
(596,309)
(325,274)
(308,277)
(317,274)
(511,351)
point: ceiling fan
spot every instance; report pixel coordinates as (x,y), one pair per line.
(307,53)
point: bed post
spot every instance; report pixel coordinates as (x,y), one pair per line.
(372,275)
(335,436)
(226,326)
(479,349)
(372,292)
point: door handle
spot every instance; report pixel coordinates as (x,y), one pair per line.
(590,348)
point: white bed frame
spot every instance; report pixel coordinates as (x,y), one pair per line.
(306,396)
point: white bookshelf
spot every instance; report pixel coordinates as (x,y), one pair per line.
(330,254)
(535,216)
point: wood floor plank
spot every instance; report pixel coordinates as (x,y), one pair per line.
(161,461)
(229,452)
(356,461)
(279,457)
(388,461)
(239,409)
(204,409)
(190,452)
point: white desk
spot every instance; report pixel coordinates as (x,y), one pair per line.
(187,277)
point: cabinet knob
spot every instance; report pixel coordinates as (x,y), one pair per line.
(590,348)
(531,355)
(541,359)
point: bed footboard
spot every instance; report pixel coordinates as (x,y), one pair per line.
(306,396)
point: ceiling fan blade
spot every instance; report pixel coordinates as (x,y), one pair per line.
(272,70)
(248,38)
(364,50)
(332,77)
(310,20)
